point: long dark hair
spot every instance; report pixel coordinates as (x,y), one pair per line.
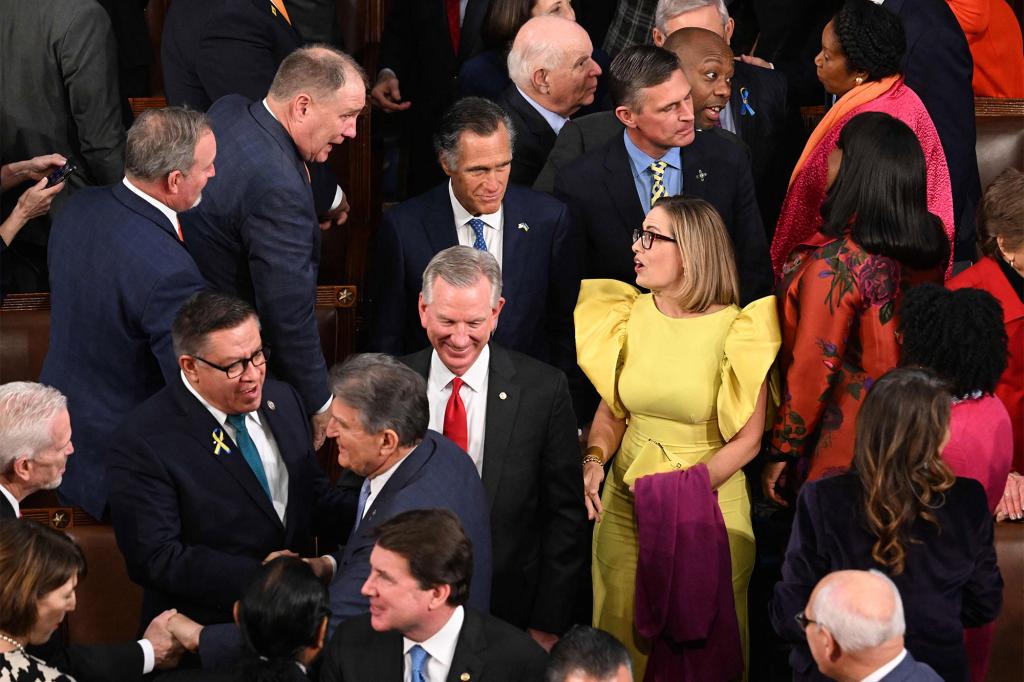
(279,615)
(881,193)
(900,427)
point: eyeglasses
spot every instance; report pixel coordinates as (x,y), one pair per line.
(238,367)
(803,620)
(647,237)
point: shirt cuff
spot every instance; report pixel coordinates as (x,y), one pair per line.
(339,196)
(327,405)
(333,562)
(148,656)
(386,71)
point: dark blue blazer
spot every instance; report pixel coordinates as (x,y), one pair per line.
(910,670)
(118,275)
(938,67)
(255,235)
(539,279)
(950,581)
(600,192)
(194,525)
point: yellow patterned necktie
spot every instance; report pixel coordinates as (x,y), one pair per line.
(658,187)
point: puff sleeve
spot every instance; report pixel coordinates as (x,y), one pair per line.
(602,312)
(751,345)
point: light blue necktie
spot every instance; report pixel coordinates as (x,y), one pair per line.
(480,244)
(364,495)
(418,656)
(249,451)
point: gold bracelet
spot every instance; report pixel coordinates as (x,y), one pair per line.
(593,454)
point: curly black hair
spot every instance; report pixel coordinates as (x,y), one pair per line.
(958,334)
(871,37)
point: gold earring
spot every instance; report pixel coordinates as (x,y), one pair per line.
(858,80)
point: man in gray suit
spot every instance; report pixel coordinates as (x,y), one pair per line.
(63,98)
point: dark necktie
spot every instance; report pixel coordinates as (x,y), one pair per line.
(249,451)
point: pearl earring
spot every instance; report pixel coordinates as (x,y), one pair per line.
(858,80)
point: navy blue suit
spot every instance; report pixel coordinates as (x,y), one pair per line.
(194,523)
(118,275)
(538,273)
(255,235)
(910,670)
(436,474)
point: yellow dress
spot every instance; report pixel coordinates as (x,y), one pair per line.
(686,386)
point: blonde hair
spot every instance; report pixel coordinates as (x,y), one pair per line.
(705,247)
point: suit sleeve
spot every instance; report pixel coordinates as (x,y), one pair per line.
(751,243)
(92,663)
(280,239)
(219,646)
(388,304)
(88,62)
(565,192)
(397,41)
(147,523)
(983,592)
(563,290)
(568,146)
(234,53)
(803,567)
(158,314)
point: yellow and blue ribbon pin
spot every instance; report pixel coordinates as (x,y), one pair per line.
(218,442)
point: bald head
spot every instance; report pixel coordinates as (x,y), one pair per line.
(550,62)
(708,64)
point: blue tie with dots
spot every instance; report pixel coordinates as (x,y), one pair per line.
(480,244)
(418,657)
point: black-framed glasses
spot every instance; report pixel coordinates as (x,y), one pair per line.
(238,367)
(647,237)
(803,620)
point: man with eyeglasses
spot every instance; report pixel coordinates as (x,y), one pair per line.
(215,471)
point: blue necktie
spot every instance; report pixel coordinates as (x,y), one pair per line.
(249,451)
(364,495)
(480,244)
(418,656)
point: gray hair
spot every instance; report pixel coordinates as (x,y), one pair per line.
(161,141)
(461,267)
(385,393)
(526,56)
(855,631)
(669,9)
(26,410)
(318,70)
(470,114)
(589,651)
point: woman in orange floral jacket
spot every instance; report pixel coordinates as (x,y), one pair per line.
(840,291)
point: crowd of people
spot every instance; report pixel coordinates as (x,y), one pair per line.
(629,315)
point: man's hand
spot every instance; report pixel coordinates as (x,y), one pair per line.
(167,650)
(545,639)
(756,61)
(773,478)
(322,567)
(279,553)
(319,422)
(185,630)
(338,216)
(386,95)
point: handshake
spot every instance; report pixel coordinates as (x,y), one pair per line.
(172,634)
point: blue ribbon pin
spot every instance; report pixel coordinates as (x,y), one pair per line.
(746,109)
(218,442)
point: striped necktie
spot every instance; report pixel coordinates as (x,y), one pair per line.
(658,186)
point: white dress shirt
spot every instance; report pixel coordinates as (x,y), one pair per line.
(473,394)
(172,215)
(886,669)
(492,232)
(556,121)
(378,482)
(12,500)
(440,648)
(263,439)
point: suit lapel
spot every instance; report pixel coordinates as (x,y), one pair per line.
(695,177)
(467,665)
(289,444)
(148,211)
(746,126)
(439,223)
(619,184)
(502,406)
(515,244)
(280,136)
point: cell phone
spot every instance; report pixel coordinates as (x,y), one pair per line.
(61,174)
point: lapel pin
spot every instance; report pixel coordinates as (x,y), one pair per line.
(464,677)
(271,405)
(701,175)
(525,228)
(746,109)
(218,442)
(502,395)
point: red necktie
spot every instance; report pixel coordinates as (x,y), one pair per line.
(455,417)
(452,8)
(181,237)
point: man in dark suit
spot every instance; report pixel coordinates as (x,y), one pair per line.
(586,654)
(419,627)
(215,471)
(938,67)
(854,625)
(424,44)
(256,234)
(553,75)
(513,416)
(119,272)
(610,189)
(394,464)
(528,233)
(62,98)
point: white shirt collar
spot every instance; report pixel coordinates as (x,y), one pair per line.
(462,216)
(172,215)
(12,500)
(270,111)
(218,414)
(441,646)
(473,377)
(886,669)
(378,482)
(556,121)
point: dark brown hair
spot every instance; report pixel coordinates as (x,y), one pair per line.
(1001,213)
(502,22)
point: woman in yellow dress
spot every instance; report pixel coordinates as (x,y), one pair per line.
(684,377)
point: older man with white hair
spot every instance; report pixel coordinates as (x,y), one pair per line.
(553,75)
(854,626)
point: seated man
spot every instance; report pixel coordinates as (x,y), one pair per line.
(216,470)
(586,654)
(514,417)
(610,189)
(35,443)
(527,232)
(553,75)
(418,627)
(119,272)
(854,625)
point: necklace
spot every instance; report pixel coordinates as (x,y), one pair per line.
(18,646)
